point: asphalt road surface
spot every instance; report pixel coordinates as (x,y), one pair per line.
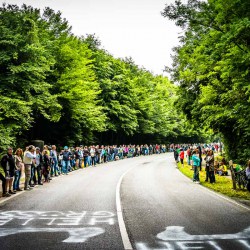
(161,208)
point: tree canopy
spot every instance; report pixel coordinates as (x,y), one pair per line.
(65,89)
(211,66)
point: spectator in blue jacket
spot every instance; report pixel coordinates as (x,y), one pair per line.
(66,159)
(196,166)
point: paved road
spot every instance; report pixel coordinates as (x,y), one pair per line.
(162,210)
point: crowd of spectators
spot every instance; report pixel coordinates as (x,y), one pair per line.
(41,165)
(196,153)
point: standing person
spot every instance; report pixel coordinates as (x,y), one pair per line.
(46,165)
(176,155)
(28,158)
(38,167)
(93,156)
(66,159)
(48,149)
(77,155)
(120,152)
(98,154)
(189,155)
(108,153)
(85,156)
(81,156)
(115,152)
(125,151)
(196,166)
(60,161)
(210,166)
(150,149)
(102,154)
(200,156)
(112,153)
(105,154)
(54,161)
(182,155)
(138,150)
(210,162)
(32,181)
(2,178)
(157,148)
(248,175)
(8,164)
(18,171)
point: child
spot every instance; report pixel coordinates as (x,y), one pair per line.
(222,169)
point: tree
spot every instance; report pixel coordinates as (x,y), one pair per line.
(212,68)
(24,64)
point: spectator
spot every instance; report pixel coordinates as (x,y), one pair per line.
(54,161)
(81,156)
(189,156)
(210,166)
(2,178)
(200,156)
(38,167)
(222,170)
(77,158)
(176,155)
(248,170)
(19,168)
(248,175)
(150,148)
(8,164)
(66,160)
(157,148)
(28,158)
(85,156)
(32,176)
(46,165)
(97,154)
(196,166)
(93,156)
(182,157)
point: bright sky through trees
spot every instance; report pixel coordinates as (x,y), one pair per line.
(126,28)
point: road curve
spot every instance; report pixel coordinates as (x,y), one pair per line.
(162,209)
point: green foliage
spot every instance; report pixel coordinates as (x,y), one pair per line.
(24,64)
(212,68)
(67,90)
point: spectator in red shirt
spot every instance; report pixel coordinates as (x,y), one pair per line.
(182,157)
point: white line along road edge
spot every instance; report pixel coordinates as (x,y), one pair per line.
(125,239)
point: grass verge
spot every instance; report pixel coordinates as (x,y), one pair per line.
(223,184)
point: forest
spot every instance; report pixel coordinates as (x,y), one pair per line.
(68,90)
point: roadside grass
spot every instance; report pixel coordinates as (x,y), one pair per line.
(223,184)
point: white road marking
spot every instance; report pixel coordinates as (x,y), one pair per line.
(124,234)
(57,218)
(177,233)
(225,198)
(11,197)
(76,235)
(38,221)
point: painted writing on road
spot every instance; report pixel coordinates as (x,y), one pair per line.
(175,237)
(79,225)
